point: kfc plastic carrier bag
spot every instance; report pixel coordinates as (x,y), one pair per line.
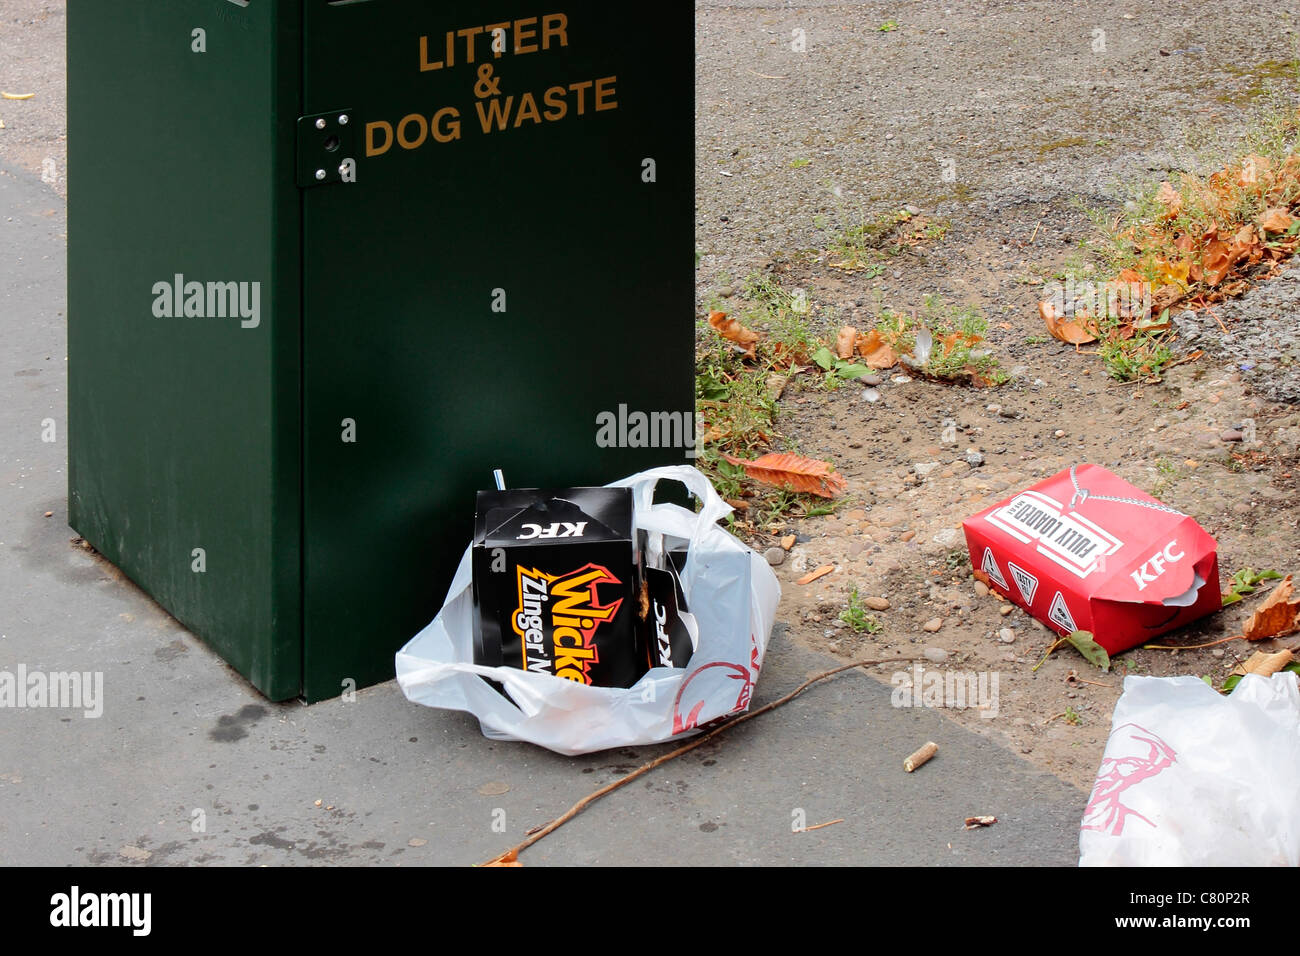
(1193,778)
(731,591)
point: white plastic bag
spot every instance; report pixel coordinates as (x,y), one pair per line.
(731,592)
(1193,778)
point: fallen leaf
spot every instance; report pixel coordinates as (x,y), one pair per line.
(1065,329)
(1264,664)
(845,341)
(1276,220)
(1278,616)
(1217,261)
(876,351)
(1173,271)
(416,841)
(1171,199)
(733,331)
(973,823)
(493,788)
(1093,652)
(812,576)
(794,473)
(505,859)
(775,385)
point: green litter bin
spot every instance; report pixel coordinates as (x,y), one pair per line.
(330,263)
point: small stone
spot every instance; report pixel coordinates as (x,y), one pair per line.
(1007,636)
(726,291)
(870,395)
(1230,434)
(774,556)
(907,536)
(876,603)
(911,210)
(994,409)
(901,379)
(787,542)
(1217,652)
(856,548)
(981,589)
(494,788)
(416,841)
(935,654)
(924,468)
(974,458)
(134,854)
(946,537)
(1059,433)
(932,625)
(1009,656)
(1006,609)
(872,380)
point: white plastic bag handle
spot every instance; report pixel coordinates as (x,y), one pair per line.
(643,490)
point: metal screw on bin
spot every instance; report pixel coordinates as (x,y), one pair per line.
(343,120)
(320,124)
(320,174)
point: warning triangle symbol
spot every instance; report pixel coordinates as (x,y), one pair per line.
(990,567)
(1025,582)
(1060,615)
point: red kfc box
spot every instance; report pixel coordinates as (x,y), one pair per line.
(1085,550)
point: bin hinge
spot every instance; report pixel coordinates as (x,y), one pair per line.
(326,152)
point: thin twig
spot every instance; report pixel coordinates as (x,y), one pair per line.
(1217,319)
(1191,647)
(828,823)
(1036,225)
(512,854)
(1081,680)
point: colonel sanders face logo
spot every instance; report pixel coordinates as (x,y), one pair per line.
(1133,754)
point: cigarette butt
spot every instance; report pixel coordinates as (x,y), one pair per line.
(923,754)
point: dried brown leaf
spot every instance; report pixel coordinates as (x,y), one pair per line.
(794,473)
(812,576)
(875,351)
(845,341)
(733,331)
(1063,328)
(1278,616)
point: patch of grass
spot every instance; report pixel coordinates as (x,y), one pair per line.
(888,26)
(958,559)
(736,405)
(956,334)
(1177,234)
(856,617)
(858,247)
(800,163)
(1072,717)
(1037,339)
(1066,143)
(1145,355)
